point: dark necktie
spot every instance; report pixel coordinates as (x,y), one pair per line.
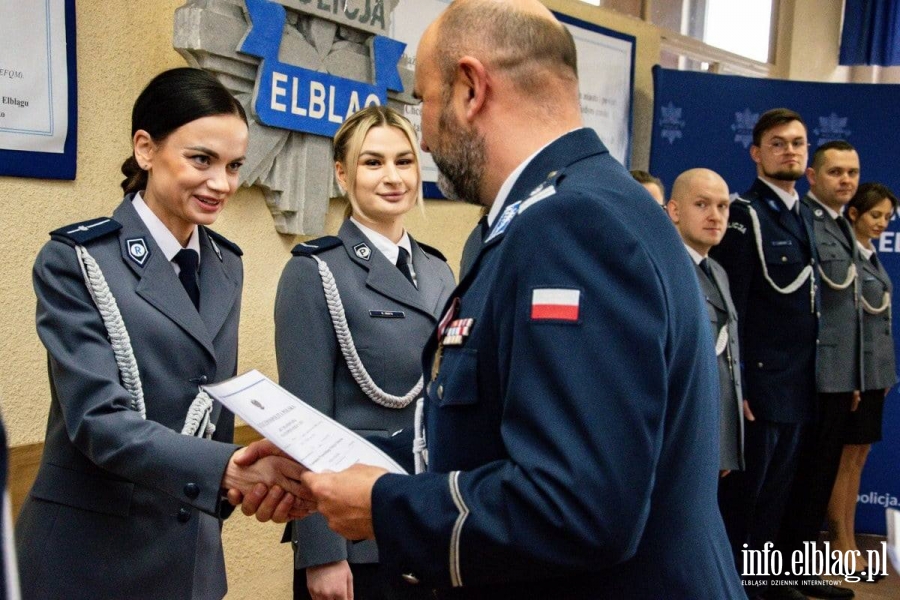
(845,227)
(189,261)
(403,265)
(721,320)
(874,259)
(704,264)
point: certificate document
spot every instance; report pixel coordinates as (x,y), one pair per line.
(314,440)
(34,82)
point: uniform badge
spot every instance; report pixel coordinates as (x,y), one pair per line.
(737,227)
(442,326)
(722,340)
(363,251)
(138,250)
(387,314)
(456,332)
(773,205)
(555,304)
(505,219)
(818,212)
(215,248)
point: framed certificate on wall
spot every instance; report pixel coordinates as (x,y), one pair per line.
(38,89)
(605,72)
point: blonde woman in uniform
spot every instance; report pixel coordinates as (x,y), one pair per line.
(392,289)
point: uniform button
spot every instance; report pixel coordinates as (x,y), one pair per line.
(410,578)
(812,261)
(760,365)
(440,392)
(817,341)
(784,259)
(192,490)
(428,389)
(184,515)
(203,379)
(818,315)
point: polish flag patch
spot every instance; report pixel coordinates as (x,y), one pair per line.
(556,304)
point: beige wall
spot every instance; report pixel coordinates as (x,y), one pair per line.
(120,46)
(809,39)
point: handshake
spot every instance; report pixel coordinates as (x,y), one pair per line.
(268,483)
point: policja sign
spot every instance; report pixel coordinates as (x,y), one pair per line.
(291,97)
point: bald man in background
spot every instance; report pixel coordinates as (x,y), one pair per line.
(699,209)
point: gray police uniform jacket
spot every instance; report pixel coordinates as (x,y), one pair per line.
(124,507)
(839,360)
(390,321)
(879,361)
(731,417)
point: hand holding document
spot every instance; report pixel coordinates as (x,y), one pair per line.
(314,440)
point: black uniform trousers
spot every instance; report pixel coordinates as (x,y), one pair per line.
(820,456)
(771,451)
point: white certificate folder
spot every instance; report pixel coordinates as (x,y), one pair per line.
(316,441)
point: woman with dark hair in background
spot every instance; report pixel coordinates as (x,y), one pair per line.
(869,211)
(365,371)
(137,311)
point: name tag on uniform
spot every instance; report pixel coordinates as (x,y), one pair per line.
(387,314)
(457,331)
(777,243)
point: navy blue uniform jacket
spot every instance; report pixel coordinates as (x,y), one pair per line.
(777,331)
(570,459)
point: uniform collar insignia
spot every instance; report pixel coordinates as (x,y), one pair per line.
(819,212)
(138,250)
(505,219)
(215,248)
(363,251)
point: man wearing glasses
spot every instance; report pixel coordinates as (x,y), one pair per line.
(769,254)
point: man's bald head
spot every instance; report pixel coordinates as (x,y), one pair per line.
(699,208)
(686,183)
(519,38)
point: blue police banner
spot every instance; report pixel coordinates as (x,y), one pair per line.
(291,97)
(706,120)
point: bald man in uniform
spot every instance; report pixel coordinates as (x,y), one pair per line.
(699,209)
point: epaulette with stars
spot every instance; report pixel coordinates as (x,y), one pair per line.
(316,246)
(78,234)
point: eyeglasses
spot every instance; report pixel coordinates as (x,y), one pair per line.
(781,146)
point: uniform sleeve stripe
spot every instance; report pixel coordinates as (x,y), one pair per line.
(455,575)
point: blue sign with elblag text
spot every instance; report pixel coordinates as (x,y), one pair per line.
(291,97)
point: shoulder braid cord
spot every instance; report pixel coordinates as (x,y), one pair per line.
(885,305)
(806,273)
(348,348)
(420,447)
(198,419)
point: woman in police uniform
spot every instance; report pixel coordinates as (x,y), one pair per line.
(869,211)
(126,503)
(365,374)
